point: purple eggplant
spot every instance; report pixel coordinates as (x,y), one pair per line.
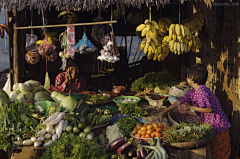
(115,144)
(124,147)
(143,153)
(132,153)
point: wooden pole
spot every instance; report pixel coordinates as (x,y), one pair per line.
(9,53)
(15,49)
(64,25)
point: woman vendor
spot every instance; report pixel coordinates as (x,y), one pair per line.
(71,80)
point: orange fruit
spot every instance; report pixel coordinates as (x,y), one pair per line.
(158,134)
(152,123)
(147,136)
(149,132)
(138,126)
(139,132)
(143,128)
(160,125)
(158,129)
(153,134)
(144,133)
(138,135)
(155,126)
(149,127)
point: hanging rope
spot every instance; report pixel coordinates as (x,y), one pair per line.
(150,13)
(179,14)
(32,22)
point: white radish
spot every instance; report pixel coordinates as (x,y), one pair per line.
(34,139)
(65,125)
(53,130)
(56,128)
(41,132)
(17,142)
(19,139)
(37,144)
(40,108)
(27,142)
(48,135)
(41,138)
(57,119)
(48,143)
(54,137)
(60,128)
(49,128)
(52,117)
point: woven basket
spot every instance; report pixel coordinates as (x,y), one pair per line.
(99,103)
(188,145)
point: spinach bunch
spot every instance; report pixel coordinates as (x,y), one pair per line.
(96,98)
(16,120)
(131,109)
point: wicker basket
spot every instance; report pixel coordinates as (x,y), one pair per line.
(188,145)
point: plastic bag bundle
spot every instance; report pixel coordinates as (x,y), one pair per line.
(31,40)
(84,45)
(32,57)
(178,91)
(47,50)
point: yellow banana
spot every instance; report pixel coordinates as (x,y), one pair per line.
(182,47)
(140,27)
(175,47)
(189,46)
(193,41)
(141,46)
(148,26)
(148,34)
(153,29)
(171,45)
(144,31)
(150,49)
(152,35)
(155,24)
(155,55)
(178,48)
(183,31)
(146,48)
(160,57)
(62,14)
(174,37)
(178,29)
(185,40)
(148,39)
(179,38)
(163,30)
(152,44)
(146,21)
(155,40)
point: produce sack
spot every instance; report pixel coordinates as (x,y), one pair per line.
(84,45)
(178,91)
(31,41)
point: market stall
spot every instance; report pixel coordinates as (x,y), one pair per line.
(62,116)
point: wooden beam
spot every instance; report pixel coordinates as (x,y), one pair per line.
(15,49)
(64,25)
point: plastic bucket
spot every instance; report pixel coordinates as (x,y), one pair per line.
(45,105)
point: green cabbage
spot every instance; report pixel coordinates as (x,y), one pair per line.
(12,96)
(15,88)
(35,86)
(42,96)
(23,88)
(24,97)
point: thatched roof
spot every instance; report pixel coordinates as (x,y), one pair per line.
(78,5)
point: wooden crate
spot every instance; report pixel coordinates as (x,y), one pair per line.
(197,153)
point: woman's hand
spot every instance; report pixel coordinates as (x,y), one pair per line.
(159,118)
(185,107)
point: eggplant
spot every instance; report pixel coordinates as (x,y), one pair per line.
(115,144)
(124,147)
(132,153)
(143,153)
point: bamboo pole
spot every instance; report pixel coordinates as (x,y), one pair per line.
(15,49)
(64,25)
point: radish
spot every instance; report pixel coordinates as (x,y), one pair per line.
(37,144)
(65,125)
(52,117)
(41,132)
(27,142)
(54,137)
(48,135)
(41,138)
(34,139)
(57,119)
(56,128)
(53,130)
(49,128)
(48,143)
(60,128)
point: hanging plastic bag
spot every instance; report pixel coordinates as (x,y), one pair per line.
(7,86)
(31,40)
(85,45)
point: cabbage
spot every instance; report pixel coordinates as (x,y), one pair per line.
(23,88)
(12,96)
(24,97)
(15,88)
(42,96)
(35,86)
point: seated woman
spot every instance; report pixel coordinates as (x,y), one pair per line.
(71,80)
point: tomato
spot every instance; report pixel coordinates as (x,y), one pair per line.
(158,134)
(76,130)
(145,125)
(153,134)
(138,126)
(138,135)
(158,129)
(139,132)
(154,123)
(147,136)
(144,133)
(149,132)
(160,125)
(143,128)
(149,127)
(134,131)
(155,126)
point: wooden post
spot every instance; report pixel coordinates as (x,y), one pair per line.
(15,48)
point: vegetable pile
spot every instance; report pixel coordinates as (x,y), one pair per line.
(17,123)
(151,80)
(99,117)
(132,109)
(187,132)
(72,147)
(96,98)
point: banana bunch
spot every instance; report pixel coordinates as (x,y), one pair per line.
(70,17)
(136,18)
(196,43)
(180,39)
(194,23)
(164,24)
(2,27)
(50,36)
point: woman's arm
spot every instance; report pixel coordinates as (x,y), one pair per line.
(197,109)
